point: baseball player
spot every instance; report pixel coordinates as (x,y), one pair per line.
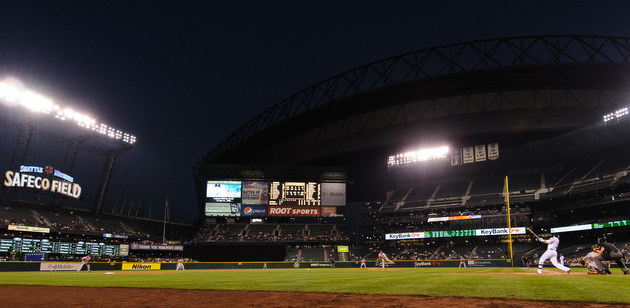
(551,254)
(462,261)
(589,261)
(85,261)
(384,259)
(525,260)
(180,265)
(363,263)
(608,252)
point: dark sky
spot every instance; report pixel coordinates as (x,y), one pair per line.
(183,75)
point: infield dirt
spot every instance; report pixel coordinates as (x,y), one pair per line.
(39,296)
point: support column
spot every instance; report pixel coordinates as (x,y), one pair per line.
(104,185)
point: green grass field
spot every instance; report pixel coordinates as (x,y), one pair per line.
(508,283)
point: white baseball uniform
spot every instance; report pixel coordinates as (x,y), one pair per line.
(180,265)
(551,254)
(384,259)
(85,261)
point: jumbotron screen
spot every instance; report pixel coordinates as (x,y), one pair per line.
(258,199)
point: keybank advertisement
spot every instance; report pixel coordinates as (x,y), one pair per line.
(254,211)
(50,179)
(141,266)
(454,233)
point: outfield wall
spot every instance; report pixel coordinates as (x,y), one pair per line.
(114,266)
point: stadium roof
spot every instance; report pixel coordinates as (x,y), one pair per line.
(510,90)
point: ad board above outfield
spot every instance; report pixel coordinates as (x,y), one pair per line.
(229,198)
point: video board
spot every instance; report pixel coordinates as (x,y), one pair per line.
(223,198)
(226,198)
(295,193)
(224,191)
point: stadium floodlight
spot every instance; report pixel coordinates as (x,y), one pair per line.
(418,156)
(10,90)
(616,115)
(13,93)
(36,102)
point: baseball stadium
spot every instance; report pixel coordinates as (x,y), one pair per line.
(480,173)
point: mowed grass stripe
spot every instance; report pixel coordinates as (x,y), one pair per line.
(514,283)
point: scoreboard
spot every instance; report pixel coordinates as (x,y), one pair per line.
(28,245)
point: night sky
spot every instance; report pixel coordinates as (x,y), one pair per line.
(183,75)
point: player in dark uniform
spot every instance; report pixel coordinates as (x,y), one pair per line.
(608,252)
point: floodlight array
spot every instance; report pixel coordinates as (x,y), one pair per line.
(616,115)
(418,156)
(12,92)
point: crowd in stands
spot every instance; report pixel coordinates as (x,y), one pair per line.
(271,232)
(444,251)
(79,221)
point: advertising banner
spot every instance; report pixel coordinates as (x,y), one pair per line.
(450,218)
(500,231)
(294,211)
(255,193)
(254,211)
(137,246)
(124,250)
(28,229)
(330,211)
(223,209)
(58,266)
(404,236)
(454,233)
(141,266)
(334,194)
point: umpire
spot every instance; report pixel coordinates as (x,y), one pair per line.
(609,252)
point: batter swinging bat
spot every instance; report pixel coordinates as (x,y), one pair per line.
(532,232)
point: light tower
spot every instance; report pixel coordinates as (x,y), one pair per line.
(34,114)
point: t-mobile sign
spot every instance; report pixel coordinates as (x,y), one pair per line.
(334,194)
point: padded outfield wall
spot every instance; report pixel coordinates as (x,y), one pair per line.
(139,266)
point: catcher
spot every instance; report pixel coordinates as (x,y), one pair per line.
(589,262)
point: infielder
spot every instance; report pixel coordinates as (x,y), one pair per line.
(85,261)
(180,265)
(551,254)
(384,259)
(462,261)
(608,252)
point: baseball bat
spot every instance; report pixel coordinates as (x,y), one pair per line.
(532,232)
